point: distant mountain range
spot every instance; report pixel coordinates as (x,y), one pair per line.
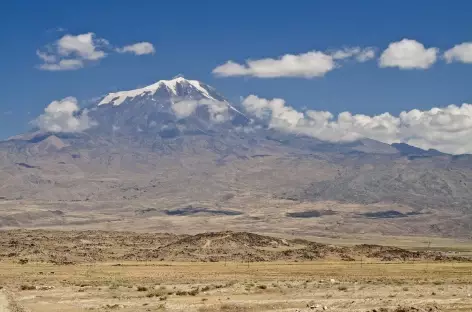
(181,139)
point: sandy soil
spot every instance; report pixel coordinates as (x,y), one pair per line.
(200,287)
(4,302)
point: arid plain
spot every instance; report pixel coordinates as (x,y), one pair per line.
(48,271)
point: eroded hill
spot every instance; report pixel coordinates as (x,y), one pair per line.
(70,247)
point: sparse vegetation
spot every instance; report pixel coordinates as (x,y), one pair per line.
(156,293)
(224,287)
(225,307)
(114,286)
(27,287)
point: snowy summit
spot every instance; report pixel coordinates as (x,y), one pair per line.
(177,87)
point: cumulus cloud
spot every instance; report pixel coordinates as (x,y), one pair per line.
(185,108)
(403,54)
(85,46)
(408,54)
(275,111)
(345,53)
(72,52)
(357,53)
(306,65)
(447,129)
(140,48)
(47,58)
(62,65)
(64,116)
(217,110)
(459,53)
(366,54)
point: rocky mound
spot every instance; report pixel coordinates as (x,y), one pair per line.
(68,247)
(220,246)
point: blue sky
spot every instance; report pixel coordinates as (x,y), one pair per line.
(194,37)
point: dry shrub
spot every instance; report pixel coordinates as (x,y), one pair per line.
(156,293)
(226,307)
(27,287)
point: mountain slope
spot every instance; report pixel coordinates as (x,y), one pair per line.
(179,142)
(167,109)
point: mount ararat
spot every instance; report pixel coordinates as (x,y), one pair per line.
(169,155)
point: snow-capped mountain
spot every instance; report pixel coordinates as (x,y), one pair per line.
(179,87)
(178,140)
(166,108)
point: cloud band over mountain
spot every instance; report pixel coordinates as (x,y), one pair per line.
(64,116)
(447,129)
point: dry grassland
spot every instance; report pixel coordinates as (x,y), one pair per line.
(274,286)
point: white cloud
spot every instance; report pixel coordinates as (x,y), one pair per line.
(218,110)
(459,53)
(67,64)
(47,58)
(64,116)
(359,54)
(274,111)
(230,68)
(345,53)
(404,54)
(408,54)
(366,54)
(140,48)
(71,52)
(447,129)
(84,46)
(306,65)
(183,109)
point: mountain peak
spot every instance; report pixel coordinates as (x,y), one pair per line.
(178,76)
(176,87)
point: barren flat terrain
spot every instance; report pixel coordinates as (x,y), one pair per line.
(280,286)
(251,212)
(48,271)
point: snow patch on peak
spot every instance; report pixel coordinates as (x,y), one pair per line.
(117,98)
